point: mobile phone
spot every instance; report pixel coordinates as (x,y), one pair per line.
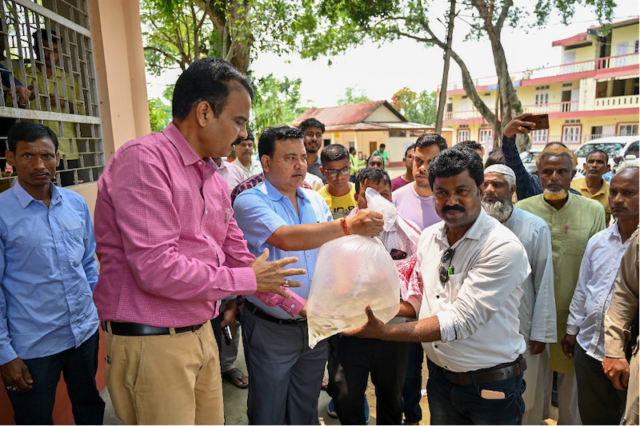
(541,121)
(398,254)
(227,334)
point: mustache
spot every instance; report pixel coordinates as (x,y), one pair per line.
(456,207)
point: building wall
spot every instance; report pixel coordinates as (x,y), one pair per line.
(382,115)
(585,53)
(619,35)
(119,60)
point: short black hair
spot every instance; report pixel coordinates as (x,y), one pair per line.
(268,138)
(373,174)
(376,155)
(599,151)
(250,136)
(495,157)
(429,139)
(352,150)
(453,161)
(311,122)
(27,131)
(41,36)
(409,148)
(206,80)
(333,152)
(382,145)
(471,144)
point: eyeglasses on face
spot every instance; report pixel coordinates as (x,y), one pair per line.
(310,135)
(334,172)
(445,272)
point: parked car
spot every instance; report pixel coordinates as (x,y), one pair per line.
(529,159)
(614,146)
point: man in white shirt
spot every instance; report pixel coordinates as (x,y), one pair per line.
(229,172)
(537,312)
(246,159)
(469,314)
(598,401)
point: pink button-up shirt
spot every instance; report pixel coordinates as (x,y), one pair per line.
(167,242)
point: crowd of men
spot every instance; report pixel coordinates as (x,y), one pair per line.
(506,277)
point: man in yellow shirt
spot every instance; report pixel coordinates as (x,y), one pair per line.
(338,192)
(593,186)
(68,100)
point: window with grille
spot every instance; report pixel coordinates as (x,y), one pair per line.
(539,136)
(542,98)
(48,50)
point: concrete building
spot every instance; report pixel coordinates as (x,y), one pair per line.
(103,70)
(593,93)
(365,126)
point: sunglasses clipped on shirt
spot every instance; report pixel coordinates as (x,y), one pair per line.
(445,272)
(334,172)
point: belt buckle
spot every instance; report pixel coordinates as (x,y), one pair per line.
(300,321)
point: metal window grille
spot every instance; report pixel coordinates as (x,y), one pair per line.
(64,92)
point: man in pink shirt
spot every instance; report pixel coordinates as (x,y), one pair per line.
(170,249)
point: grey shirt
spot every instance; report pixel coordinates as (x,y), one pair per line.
(315,169)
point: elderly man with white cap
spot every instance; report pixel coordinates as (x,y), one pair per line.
(537,312)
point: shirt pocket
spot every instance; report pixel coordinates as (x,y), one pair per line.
(455,284)
(74,244)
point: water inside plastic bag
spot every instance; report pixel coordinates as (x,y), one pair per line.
(351,273)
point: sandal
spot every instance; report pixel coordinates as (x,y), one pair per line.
(235,377)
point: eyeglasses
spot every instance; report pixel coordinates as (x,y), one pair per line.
(311,134)
(446,272)
(334,172)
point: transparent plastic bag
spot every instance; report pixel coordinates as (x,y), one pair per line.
(351,273)
(378,203)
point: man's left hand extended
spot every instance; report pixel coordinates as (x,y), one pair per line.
(536,347)
(373,329)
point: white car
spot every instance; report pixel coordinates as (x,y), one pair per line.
(613,146)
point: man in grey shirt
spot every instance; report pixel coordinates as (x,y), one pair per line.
(537,312)
(313,131)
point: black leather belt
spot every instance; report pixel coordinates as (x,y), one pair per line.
(133,329)
(265,316)
(487,375)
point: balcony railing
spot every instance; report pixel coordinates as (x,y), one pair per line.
(535,109)
(566,69)
(550,108)
(615,102)
(572,142)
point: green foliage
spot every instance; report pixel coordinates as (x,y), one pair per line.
(159,114)
(416,107)
(353,95)
(276,102)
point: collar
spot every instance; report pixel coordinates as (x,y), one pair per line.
(223,164)
(24,198)
(476,231)
(614,231)
(318,161)
(583,186)
(188,155)
(273,194)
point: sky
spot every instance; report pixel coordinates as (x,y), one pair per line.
(382,71)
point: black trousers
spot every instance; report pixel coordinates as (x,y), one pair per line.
(598,401)
(351,359)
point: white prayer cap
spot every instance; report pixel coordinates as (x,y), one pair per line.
(505,170)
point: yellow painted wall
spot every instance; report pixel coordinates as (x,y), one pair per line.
(586,53)
(628,34)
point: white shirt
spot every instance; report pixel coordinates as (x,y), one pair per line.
(231,173)
(314,181)
(593,293)
(478,306)
(254,168)
(538,303)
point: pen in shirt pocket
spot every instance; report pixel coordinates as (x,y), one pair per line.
(566,230)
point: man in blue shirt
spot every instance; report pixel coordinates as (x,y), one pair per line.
(48,322)
(278,215)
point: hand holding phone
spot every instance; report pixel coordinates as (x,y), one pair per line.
(227,335)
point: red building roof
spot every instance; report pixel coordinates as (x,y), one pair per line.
(346,114)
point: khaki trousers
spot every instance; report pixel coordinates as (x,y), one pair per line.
(631,413)
(172,379)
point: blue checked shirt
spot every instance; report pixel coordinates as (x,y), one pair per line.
(47,274)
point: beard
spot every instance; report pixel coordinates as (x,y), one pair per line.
(499,210)
(555,195)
